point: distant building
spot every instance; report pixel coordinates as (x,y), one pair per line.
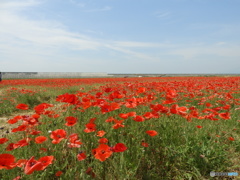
(35,75)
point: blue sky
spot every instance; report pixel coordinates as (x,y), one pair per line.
(120,36)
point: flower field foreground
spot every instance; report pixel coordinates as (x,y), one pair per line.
(120,128)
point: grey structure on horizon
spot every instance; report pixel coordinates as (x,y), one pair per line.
(39,75)
(47,75)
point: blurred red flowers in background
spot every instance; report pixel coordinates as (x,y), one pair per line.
(22,106)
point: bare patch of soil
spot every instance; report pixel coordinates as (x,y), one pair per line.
(5,127)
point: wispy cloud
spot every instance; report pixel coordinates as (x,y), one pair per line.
(162,14)
(22,35)
(80,4)
(106,8)
(5,4)
(135,44)
(87,8)
(130,53)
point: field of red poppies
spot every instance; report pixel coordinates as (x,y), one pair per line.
(119,128)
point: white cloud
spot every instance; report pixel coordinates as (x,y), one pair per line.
(20,34)
(48,34)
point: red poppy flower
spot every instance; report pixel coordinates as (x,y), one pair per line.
(208,104)
(148,115)
(199,126)
(168,101)
(39,109)
(17,178)
(102,152)
(74,141)
(73,137)
(141,90)
(40,139)
(32,165)
(105,108)
(3,140)
(123,116)
(132,114)
(36,116)
(160,108)
(139,118)
(107,90)
(90,127)
(21,162)
(101,133)
(56,115)
(224,115)
(58,135)
(59,173)
(22,106)
(20,128)
(14,120)
(226,107)
(171,93)
(118,125)
(68,98)
(81,156)
(144,144)
(131,103)
(110,119)
(151,133)
(90,172)
(231,138)
(10,147)
(7,161)
(46,161)
(114,106)
(34,132)
(71,121)
(21,143)
(103,141)
(119,147)
(175,109)
(86,104)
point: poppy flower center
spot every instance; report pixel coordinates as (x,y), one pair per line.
(32,164)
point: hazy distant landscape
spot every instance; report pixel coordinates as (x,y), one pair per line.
(32,75)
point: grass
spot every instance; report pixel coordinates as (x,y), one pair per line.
(180,150)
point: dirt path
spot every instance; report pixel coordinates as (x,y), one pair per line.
(6,128)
